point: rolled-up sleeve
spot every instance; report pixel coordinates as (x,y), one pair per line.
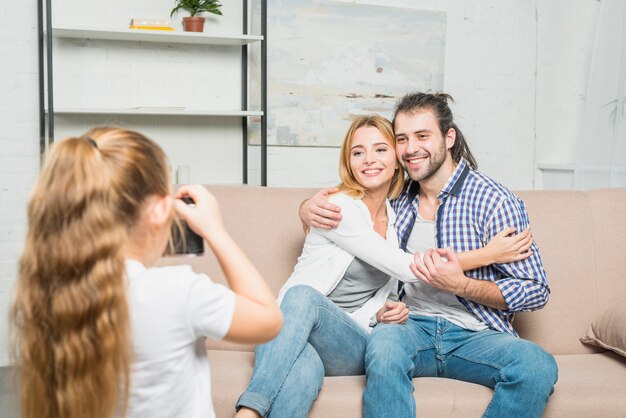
(523,283)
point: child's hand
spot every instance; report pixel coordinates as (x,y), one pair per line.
(506,246)
(205,217)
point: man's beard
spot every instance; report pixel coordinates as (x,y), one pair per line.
(434,163)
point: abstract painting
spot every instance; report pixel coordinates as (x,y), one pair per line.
(329,61)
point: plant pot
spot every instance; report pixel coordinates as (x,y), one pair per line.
(193,24)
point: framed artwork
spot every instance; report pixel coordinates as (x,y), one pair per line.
(329,61)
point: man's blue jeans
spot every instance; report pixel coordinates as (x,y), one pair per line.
(317,339)
(520,372)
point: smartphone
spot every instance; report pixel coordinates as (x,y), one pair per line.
(184,240)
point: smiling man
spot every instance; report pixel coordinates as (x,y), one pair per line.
(460,324)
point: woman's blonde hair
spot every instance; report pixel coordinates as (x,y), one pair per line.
(70,316)
(349,184)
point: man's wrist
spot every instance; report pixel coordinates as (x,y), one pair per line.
(484,292)
(464,285)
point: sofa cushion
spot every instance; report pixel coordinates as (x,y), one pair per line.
(569,268)
(590,385)
(342,396)
(609,330)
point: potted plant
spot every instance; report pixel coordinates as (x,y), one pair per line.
(195,23)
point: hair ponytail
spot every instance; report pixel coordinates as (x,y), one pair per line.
(70,307)
(70,315)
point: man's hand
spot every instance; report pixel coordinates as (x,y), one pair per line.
(441,269)
(318,212)
(393,313)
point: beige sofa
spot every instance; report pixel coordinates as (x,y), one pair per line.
(582,238)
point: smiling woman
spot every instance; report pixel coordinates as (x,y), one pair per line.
(369,161)
(341,282)
(373,164)
(369,141)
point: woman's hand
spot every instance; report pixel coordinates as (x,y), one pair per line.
(507,247)
(393,313)
(205,217)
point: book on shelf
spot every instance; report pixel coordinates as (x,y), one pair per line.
(151,24)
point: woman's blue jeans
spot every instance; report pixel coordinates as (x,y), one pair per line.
(520,372)
(317,339)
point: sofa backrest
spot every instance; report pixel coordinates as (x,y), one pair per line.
(265,224)
(581,236)
(582,239)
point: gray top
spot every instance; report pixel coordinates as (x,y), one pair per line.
(357,285)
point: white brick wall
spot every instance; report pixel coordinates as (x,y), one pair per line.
(19,144)
(566,30)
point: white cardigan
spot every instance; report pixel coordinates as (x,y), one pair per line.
(328,253)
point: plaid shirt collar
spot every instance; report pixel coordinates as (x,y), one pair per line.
(406,205)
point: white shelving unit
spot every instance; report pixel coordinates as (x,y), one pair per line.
(139,35)
(92,110)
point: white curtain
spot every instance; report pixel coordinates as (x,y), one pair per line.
(601,151)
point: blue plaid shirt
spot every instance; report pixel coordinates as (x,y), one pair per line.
(473,208)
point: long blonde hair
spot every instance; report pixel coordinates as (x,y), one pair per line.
(349,183)
(70,319)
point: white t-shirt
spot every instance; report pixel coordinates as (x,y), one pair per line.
(172,309)
(430,301)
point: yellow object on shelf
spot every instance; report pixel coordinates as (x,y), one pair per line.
(151,24)
(152,27)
